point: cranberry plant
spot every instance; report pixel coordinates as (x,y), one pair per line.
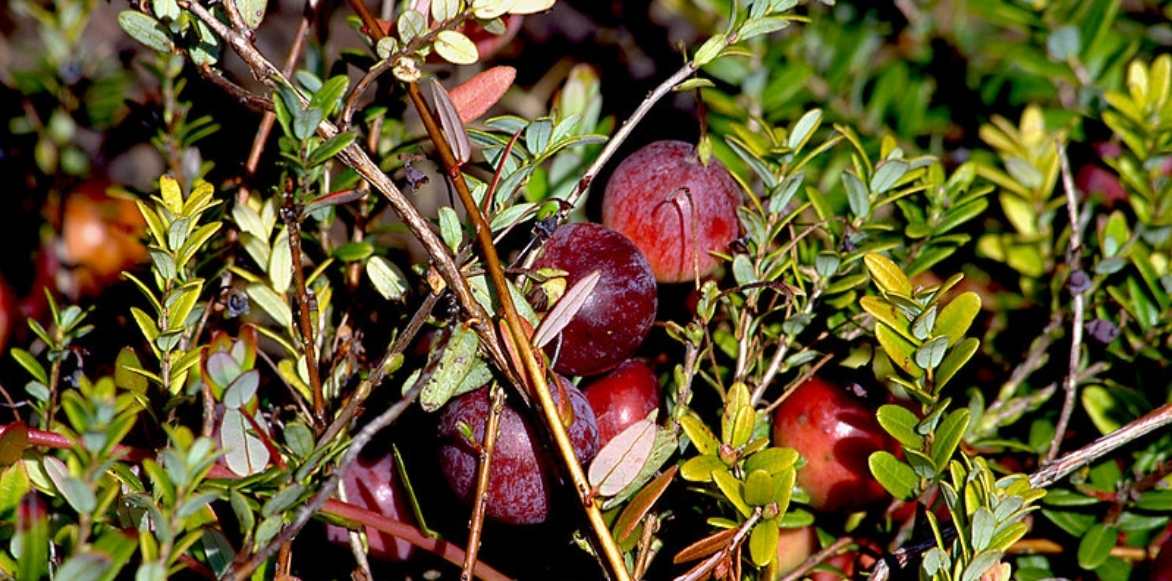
(849,320)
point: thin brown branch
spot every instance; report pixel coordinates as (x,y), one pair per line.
(243,96)
(533,371)
(379,373)
(269,118)
(1060,468)
(483,470)
(304,315)
(1074,260)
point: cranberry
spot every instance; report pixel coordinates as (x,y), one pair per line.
(616,318)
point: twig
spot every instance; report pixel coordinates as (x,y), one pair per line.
(1048,547)
(817,558)
(304,317)
(242,95)
(1060,468)
(1074,259)
(702,570)
(646,550)
(54,380)
(379,373)
(533,372)
(491,428)
(355,537)
(246,565)
(354,157)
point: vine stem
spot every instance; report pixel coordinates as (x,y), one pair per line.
(491,429)
(533,372)
(304,316)
(1074,259)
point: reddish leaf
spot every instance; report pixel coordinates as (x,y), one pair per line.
(705,546)
(619,461)
(641,504)
(477,95)
(566,309)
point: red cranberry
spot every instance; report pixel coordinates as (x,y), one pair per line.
(674,208)
(616,318)
(622,397)
(374,485)
(835,434)
(522,476)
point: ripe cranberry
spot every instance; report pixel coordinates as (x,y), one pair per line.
(616,318)
(522,475)
(374,485)
(794,546)
(674,208)
(622,397)
(835,434)
(101,235)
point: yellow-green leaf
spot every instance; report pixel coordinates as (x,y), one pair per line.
(456,48)
(900,350)
(763,542)
(887,275)
(956,317)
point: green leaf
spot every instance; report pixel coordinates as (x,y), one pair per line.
(806,125)
(327,99)
(898,349)
(145,30)
(709,50)
(252,12)
(1157,500)
(887,174)
(456,48)
(1095,546)
(331,147)
(900,422)
(442,10)
(930,354)
(763,542)
(78,494)
(386,278)
(772,460)
(956,358)
(271,303)
(948,436)
(700,468)
(896,477)
(280,268)
(887,275)
(856,195)
(957,316)
(701,437)
(983,525)
(454,364)
(450,229)
(759,488)
(30,364)
(731,488)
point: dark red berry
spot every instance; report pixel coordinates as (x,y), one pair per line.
(616,318)
(522,473)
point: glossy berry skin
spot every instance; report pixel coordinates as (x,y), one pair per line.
(616,318)
(522,474)
(622,397)
(835,434)
(374,485)
(674,208)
